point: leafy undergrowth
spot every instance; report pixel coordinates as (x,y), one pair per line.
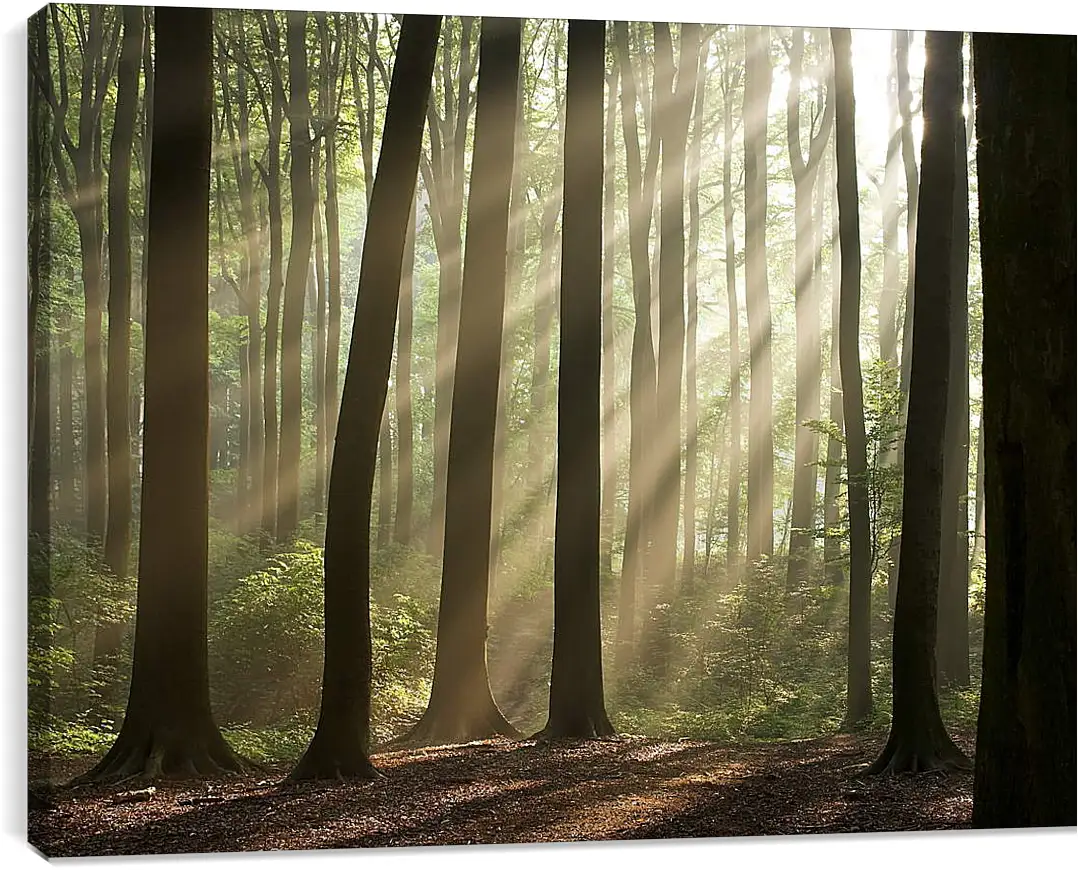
(512,792)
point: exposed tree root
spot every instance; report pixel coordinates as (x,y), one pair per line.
(322,761)
(443,728)
(919,754)
(166,754)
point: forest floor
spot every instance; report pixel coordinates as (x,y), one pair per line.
(510,792)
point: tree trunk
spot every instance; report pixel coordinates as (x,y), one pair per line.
(918,739)
(610,462)
(832,541)
(1025,773)
(109,633)
(692,414)
(169,729)
(461,706)
(402,529)
(65,479)
(807,315)
(299,140)
(761,483)
(889,292)
(319,361)
(340,746)
(859,678)
(731,76)
(952,640)
(976,558)
(909,165)
(642,365)
(577,709)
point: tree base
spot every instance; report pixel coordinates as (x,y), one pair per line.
(328,759)
(445,728)
(928,752)
(578,728)
(166,754)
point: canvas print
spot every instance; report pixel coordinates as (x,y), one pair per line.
(465,430)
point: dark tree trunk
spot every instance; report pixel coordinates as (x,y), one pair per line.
(402,529)
(39,268)
(807,315)
(731,78)
(761,482)
(577,709)
(918,739)
(1025,774)
(692,414)
(341,743)
(461,706)
(109,633)
(318,363)
(169,729)
(832,540)
(952,638)
(299,140)
(642,371)
(610,463)
(859,678)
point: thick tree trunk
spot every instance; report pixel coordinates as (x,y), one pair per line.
(918,739)
(109,633)
(340,746)
(577,709)
(299,140)
(402,528)
(859,678)
(1025,773)
(461,706)
(169,729)
(952,641)
(761,482)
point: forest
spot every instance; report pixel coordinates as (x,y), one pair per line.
(743,481)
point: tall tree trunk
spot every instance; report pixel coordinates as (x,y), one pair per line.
(341,743)
(402,529)
(299,140)
(859,678)
(577,708)
(918,739)
(333,287)
(1025,771)
(952,639)
(109,633)
(461,706)
(807,316)
(832,541)
(638,525)
(65,478)
(976,558)
(909,165)
(761,483)
(610,462)
(889,292)
(318,363)
(692,414)
(169,728)
(731,77)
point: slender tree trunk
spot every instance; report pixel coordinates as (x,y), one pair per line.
(299,139)
(859,678)
(402,529)
(461,706)
(577,708)
(169,728)
(319,360)
(832,541)
(1026,97)
(761,531)
(333,276)
(610,463)
(109,633)
(909,165)
(976,558)
(918,739)
(340,746)
(65,485)
(692,413)
(952,636)
(889,292)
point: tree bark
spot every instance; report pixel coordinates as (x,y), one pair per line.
(340,746)
(402,529)
(918,739)
(169,729)
(299,141)
(461,706)
(761,482)
(859,678)
(832,541)
(1025,771)
(577,709)
(610,462)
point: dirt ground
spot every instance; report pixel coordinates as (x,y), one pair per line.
(511,792)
